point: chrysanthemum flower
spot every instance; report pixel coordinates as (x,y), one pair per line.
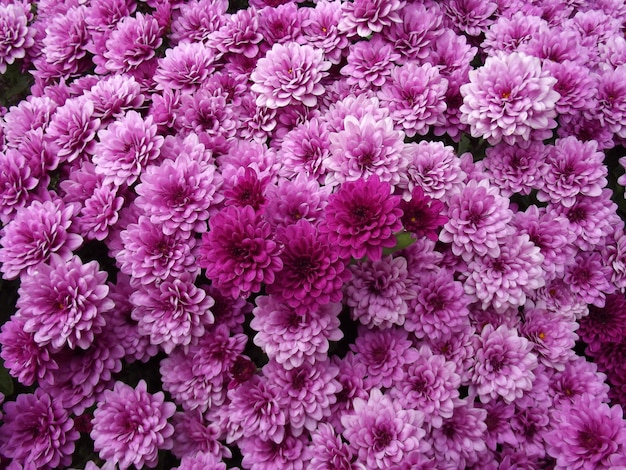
(112,96)
(130,425)
(320,29)
(185,67)
(329,451)
(362,217)
(194,434)
(605,324)
(503,365)
(472,17)
(614,255)
(573,167)
(587,434)
(292,338)
(364,17)
(239,252)
(589,279)
(239,35)
(579,377)
(15,35)
(416,33)
(244,187)
(304,149)
(415,95)
(16,183)
(369,63)
(36,232)
(507,34)
(37,432)
(381,432)
(292,453)
(201,461)
(63,302)
(194,21)
(289,74)
(422,215)
(350,377)
(379,291)
(281,24)
(499,105)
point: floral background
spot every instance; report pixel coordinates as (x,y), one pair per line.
(369,234)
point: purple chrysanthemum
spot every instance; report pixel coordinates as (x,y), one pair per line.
(587,434)
(239,35)
(112,96)
(320,28)
(503,365)
(201,461)
(179,194)
(421,25)
(100,212)
(329,451)
(239,252)
(369,63)
(478,217)
(579,377)
(292,338)
(292,453)
(185,67)
(193,433)
(610,105)
(422,215)
(16,183)
(130,425)
(415,95)
(381,432)
(281,24)
(36,232)
(510,98)
(289,74)
(575,85)
(350,377)
(379,291)
(508,33)
(573,167)
(37,432)
(472,17)
(15,35)
(429,385)
(362,217)
(364,17)
(589,279)
(605,324)
(304,150)
(126,147)
(63,302)
(194,21)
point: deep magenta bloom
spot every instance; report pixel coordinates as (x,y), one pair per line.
(292,453)
(239,252)
(416,97)
(36,232)
(179,194)
(37,432)
(589,279)
(379,291)
(587,434)
(510,98)
(362,218)
(130,425)
(422,215)
(381,432)
(185,67)
(364,17)
(63,302)
(503,365)
(292,338)
(126,147)
(605,324)
(15,35)
(289,74)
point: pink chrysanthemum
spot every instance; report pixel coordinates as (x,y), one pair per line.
(63,302)
(185,67)
(320,28)
(369,63)
(239,35)
(503,365)
(415,96)
(362,218)
(36,232)
(508,33)
(422,215)
(196,20)
(381,432)
(201,461)
(239,252)
(130,425)
(329,451)
(499,105)
(281,24)
(194,434)
(589,279)
(292,338)
(289,74)
(292,453)
(421,25)
(15,35)
(37,432)
(16,183)
(364,17)
(100,212)
(112,96)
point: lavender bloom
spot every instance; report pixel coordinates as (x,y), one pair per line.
(293,338)
(379,291)
(15,35)
(587,434)
(36,232)
(507,34)
(37,432)
(179,194)
(63,302)
(130,425)
(185,67)
(381,433)
(239,252)
(498,106)
(470,16)
(289,74)
(369,63)
(573,167)
(126,147)
(320,30)
(503,365)
(362,217)
(364,17)
(239,35)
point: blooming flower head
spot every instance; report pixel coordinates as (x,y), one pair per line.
(289,74)
(364,17)
(507,34)
(196,20)
(15,35)
(329,451)
(292,453)
(194,434)
(416,33)
(470,16)
(369,63)
(201,461)
(130,425)
(36,232)
(381,432)
(510,98)
(63,302)
(362,217)
(239,35)
(503,364)
(239,251)
(185,67)
(422,215)
(605,324)
(37,432)
(17,182)
(320,28)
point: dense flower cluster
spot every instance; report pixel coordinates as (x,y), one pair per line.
(340,234)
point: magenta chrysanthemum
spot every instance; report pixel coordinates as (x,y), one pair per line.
(369,63)
(422,215)
(510,98)
(15,35)
(130,425)
(185,67)
(239,252)
(289,74)
(362,217)
(364,17)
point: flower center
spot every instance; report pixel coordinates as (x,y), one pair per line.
(382,438)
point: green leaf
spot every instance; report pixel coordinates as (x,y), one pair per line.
(403,239)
